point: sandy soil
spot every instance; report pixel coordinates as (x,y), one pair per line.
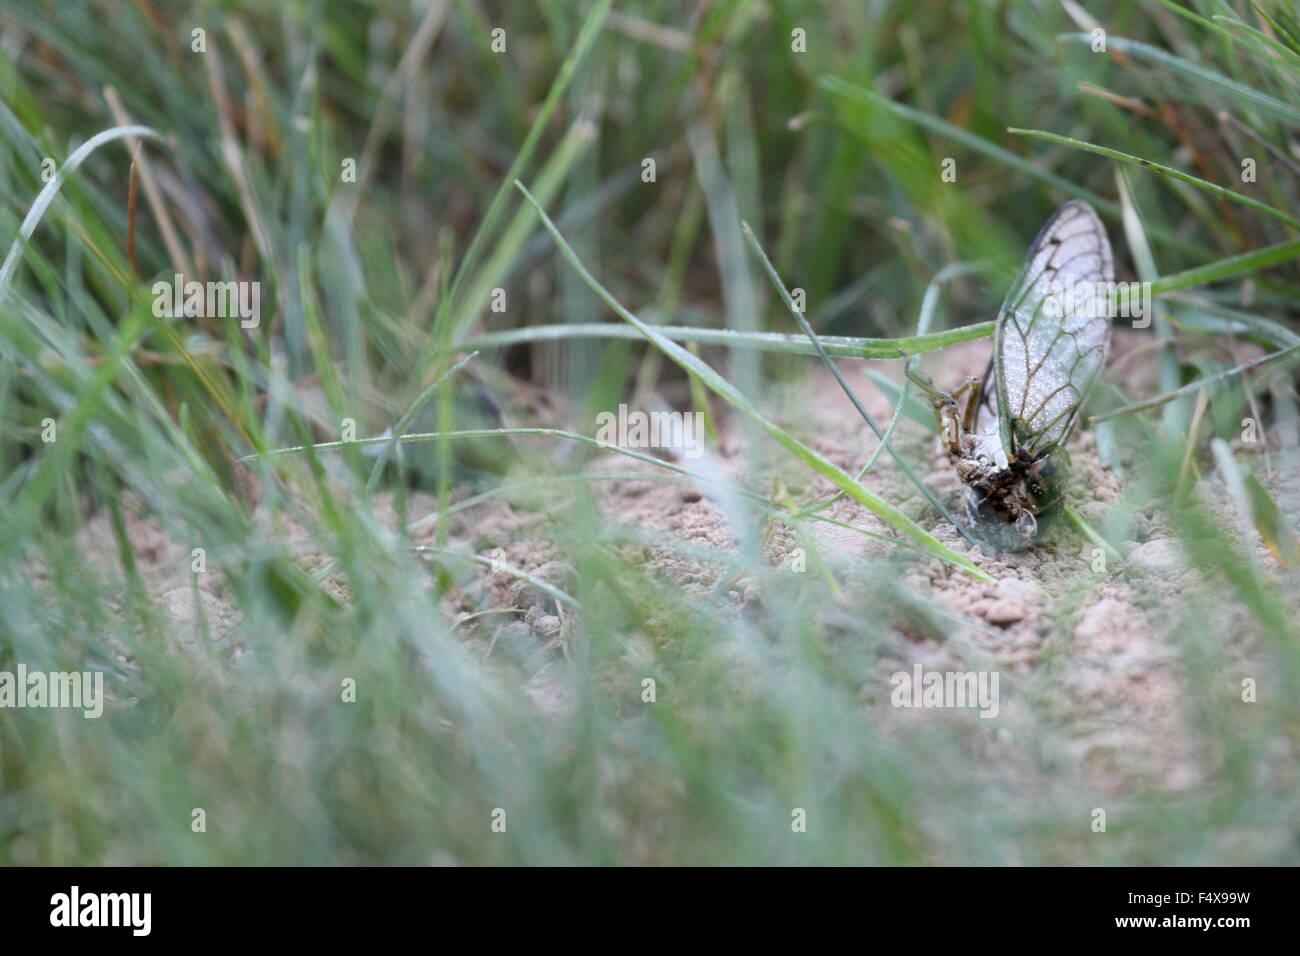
(1096,649)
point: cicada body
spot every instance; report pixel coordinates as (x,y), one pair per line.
(1050,343)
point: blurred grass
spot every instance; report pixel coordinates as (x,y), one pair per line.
(373,289)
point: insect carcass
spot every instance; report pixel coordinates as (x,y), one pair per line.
(1008,443)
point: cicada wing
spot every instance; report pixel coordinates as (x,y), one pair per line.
(986,415)
(1053,331)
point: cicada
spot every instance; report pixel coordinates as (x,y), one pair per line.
(1007,442)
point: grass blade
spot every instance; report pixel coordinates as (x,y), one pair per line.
(839,87)
(1238,91)
(409,416)
(1169,171)
(1200,383)
(838,345)
(590,28)
(51,189)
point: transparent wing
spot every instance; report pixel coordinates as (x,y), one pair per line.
(1053,331)
(986,415)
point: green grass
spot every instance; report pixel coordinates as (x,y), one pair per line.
(338,560)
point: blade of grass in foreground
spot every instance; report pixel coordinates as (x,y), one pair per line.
(1228,268)
(839,345)
(724,389)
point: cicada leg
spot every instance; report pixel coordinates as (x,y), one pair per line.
(938,398)
(924,383)
(976,388)
(959,424)
(945,411)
